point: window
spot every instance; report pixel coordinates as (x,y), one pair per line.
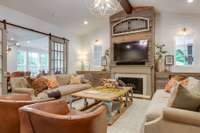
(184,50)
(21,60)
(57,59)
(44,62)
(97,55)
(33,63)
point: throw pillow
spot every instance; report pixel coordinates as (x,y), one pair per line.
(52,83)
(63,79)
(172,83)
(193,85)
(75,79)
(39,85)
(182,98)
(169,86)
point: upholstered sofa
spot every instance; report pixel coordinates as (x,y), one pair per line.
(160,118)
(21,85)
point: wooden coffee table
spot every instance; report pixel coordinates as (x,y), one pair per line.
(115,99)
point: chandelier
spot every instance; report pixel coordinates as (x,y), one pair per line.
(103,7)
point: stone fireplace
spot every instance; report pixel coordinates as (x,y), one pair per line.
(138,76)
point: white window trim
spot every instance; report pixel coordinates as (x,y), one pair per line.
(93,66)
(183,66)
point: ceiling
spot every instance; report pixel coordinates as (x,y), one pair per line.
(70,14)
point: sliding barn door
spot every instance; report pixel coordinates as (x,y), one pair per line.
(3,60)
(58,55)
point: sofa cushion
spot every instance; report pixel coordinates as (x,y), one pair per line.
(65,90)
(19,82)
(158,103)
(63,79)
(69,89)
(75,79)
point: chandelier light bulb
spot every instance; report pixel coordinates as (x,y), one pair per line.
(103,7)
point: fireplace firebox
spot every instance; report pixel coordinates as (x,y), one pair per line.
(135,83)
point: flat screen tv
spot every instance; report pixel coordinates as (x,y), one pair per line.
(131,52)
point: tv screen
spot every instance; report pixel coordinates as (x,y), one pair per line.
(131,52)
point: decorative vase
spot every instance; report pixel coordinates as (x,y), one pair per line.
(160,65)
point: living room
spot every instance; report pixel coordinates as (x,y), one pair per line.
(106,66)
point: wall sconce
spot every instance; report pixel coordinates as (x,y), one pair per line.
(184,30)
(97,42)
(83,59)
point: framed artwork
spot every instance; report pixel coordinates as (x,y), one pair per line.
(169,60)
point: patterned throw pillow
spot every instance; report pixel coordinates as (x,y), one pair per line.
(173,81)
(52,83)
(39,85)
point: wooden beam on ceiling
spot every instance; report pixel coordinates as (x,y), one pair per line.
(126,5)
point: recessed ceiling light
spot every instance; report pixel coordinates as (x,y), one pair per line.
(17,44)
(85,22)
(28,42)
(128,46)
(190,1)
(12,39)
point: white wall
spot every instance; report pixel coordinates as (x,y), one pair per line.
(22,19)
(102,35)
(167,27)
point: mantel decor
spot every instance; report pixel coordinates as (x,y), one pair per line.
(160,52)
(169,61)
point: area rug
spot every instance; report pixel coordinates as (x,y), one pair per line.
(131,121)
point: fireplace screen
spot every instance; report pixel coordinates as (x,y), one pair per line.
(135,83)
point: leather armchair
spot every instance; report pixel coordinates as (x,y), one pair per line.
(56,117)
(9,115)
